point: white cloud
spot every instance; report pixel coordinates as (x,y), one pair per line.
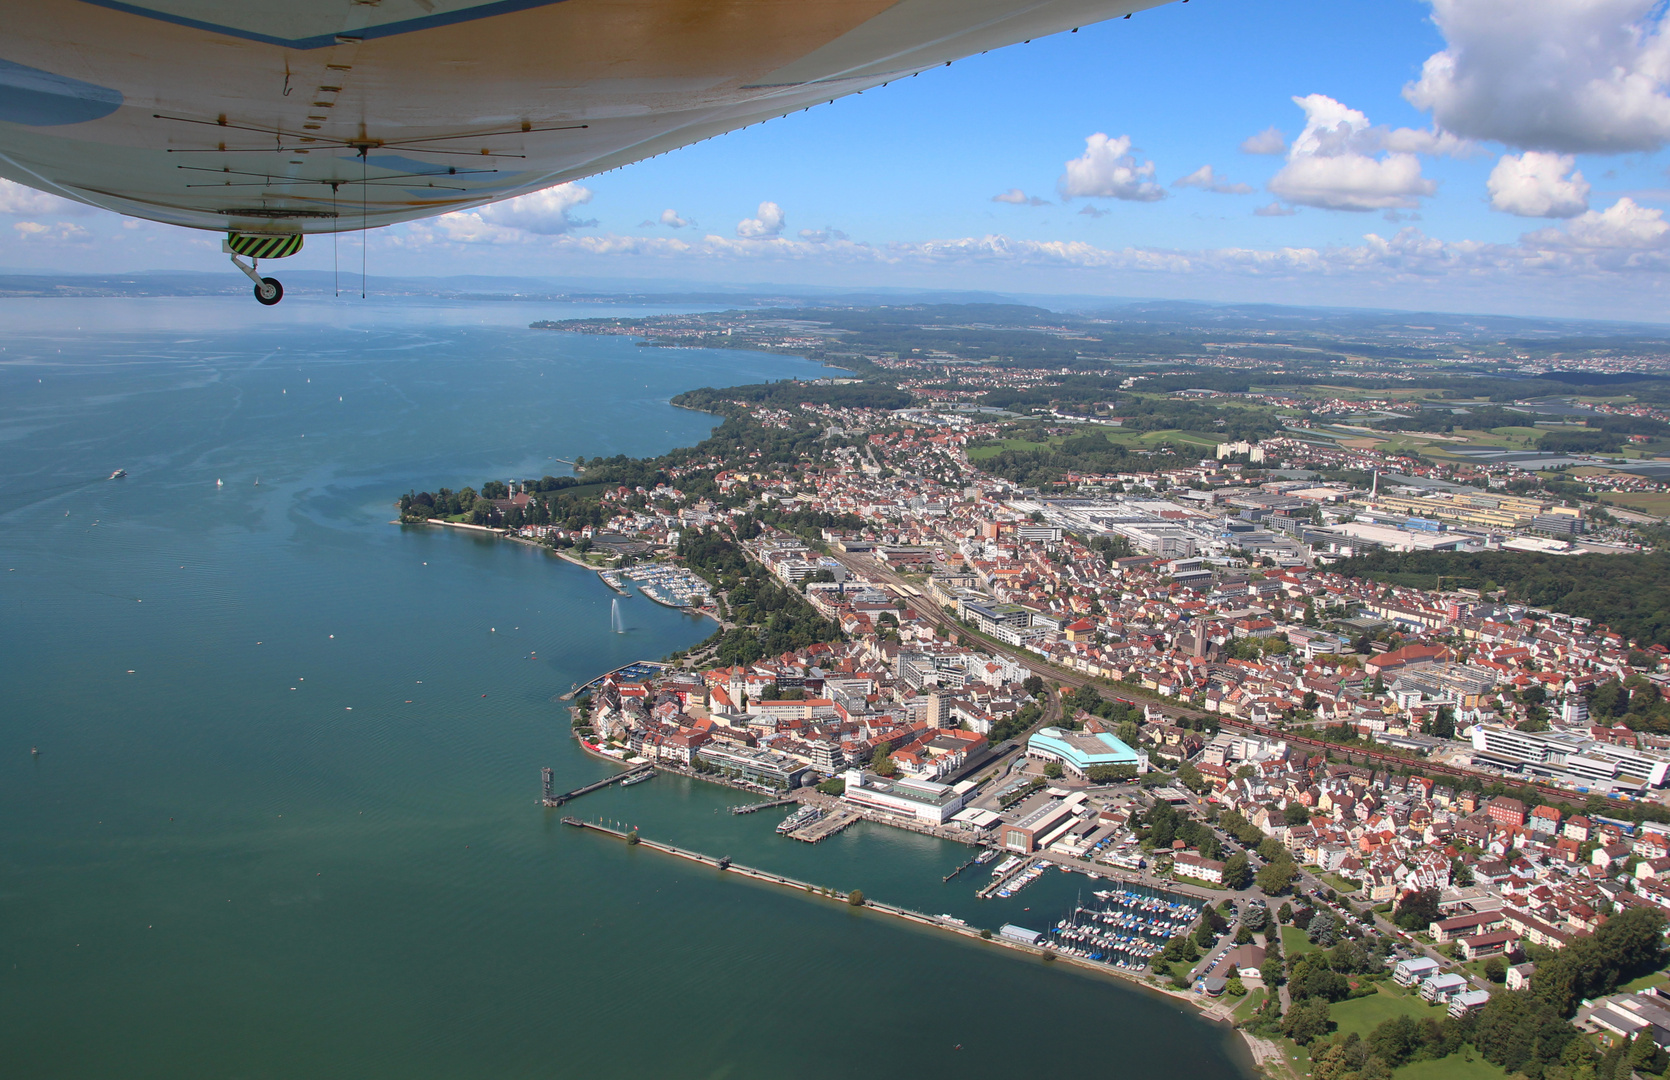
(769,223)
(671,219)
(1536,184)
(1106,170)
(1570,76)
(1020,198)
(1330,164)
(822,236)
(1094,211)
(543,213)
(1610,256)
(20,199)
(1435,142)
(56,232)
(1268,141)
(1206,180)
(1275,209)
(1624,226)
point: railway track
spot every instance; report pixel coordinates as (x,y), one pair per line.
(933,613)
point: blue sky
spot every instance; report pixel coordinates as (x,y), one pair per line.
(1388,202)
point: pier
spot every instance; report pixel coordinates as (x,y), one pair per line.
(754,808)
(553,800)
(826,826)
(940,922)
(972,859)
(998,883)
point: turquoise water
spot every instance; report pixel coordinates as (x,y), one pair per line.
(283,820)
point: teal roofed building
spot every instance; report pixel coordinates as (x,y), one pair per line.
(1080,751)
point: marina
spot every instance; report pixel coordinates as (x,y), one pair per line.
(1007,872)
(633,672)
(1127,929)
(1144,918)
(671,586)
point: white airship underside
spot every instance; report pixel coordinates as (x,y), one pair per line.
(268,121)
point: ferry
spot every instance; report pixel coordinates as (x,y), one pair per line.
(799,819)
(640,778)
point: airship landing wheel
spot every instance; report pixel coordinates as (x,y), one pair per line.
(269,291)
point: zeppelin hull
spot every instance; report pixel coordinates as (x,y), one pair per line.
(317,115)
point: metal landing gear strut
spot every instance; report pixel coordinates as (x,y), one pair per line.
(267,290)
(257,247)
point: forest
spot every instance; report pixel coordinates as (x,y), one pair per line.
(770,618)
(1088,453)
(1628,593)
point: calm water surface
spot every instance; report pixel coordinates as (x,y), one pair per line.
(283,818)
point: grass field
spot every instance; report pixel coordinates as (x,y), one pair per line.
(1454,1067)
(1647,502)
(1114,436)
(1339,884)
(1294,942)
(1364,1014)
(1657,978)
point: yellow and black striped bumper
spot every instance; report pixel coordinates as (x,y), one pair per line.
(263,247)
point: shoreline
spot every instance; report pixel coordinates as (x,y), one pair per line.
(561,554)
(1257,1053)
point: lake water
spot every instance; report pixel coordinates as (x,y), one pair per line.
(284,818)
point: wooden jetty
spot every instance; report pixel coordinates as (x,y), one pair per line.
(1026,864)
(972,859)
(551,799)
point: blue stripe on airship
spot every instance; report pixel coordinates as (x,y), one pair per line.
(41,99)
(319,41)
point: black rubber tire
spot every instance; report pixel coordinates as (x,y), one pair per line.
(269,292)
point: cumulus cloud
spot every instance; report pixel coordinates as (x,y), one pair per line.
(1269,141)
(1569,76)
(1331,164)
(1094,211)
(1435,141)
(822,236)
(542,213)
(1623,226)
(1606,252)
(20,199)
(1020,198)
(1206,180)
(1275,209)
(671,219)
(1537,184)
(767,223)
(59,231)
(1107,170)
